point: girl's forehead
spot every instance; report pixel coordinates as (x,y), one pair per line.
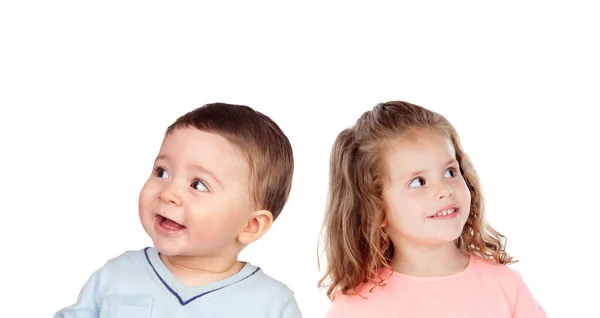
(419,148)
(421,141)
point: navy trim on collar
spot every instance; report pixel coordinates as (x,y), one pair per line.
(181,301)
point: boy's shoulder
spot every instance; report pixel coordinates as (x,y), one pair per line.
(129,262)
(273,282)
(138,273)
(128,259)
(265,291)
(124,265)
(265,284)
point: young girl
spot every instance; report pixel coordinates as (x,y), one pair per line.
(405,233)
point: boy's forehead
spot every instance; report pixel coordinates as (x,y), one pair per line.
(195,146)
(186,139)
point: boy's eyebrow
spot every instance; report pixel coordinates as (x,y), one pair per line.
(453,160)
(195,166)
(201,168)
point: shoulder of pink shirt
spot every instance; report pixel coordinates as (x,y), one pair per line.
(513,286)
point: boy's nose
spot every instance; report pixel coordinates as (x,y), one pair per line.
(169,195)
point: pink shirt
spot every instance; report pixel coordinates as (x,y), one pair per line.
(483,289)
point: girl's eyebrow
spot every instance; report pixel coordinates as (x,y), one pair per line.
(453,160)
(416,173)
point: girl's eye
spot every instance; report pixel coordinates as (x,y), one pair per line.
(450,173)
(199,185)
(417,182)
(161,173)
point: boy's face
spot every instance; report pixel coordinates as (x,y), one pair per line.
(197,199)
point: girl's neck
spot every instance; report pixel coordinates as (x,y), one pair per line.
(428,260)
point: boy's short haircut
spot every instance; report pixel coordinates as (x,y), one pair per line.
(267,149)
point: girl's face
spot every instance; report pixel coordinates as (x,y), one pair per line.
(427,199)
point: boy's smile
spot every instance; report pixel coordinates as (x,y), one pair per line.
(167,226)
(197,200)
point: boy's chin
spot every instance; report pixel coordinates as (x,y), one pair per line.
(170,250)
(167,249)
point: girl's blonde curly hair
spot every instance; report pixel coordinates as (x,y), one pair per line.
(355,244)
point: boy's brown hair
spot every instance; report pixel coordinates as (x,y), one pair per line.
(267,149)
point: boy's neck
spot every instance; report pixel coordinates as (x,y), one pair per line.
(428,260)
(198,270)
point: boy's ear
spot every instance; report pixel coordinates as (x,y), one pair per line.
(258,224)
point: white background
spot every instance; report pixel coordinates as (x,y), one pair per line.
(87,90)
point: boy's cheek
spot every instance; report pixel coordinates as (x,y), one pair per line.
(146,191)
(211,228)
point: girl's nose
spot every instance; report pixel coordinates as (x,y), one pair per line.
(445,190)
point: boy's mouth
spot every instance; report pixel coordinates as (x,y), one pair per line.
(168,224)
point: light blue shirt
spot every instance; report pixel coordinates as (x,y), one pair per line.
(137,284)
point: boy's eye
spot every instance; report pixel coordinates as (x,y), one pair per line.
(450,173)
(199,185)
(417,182)
(161,173)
